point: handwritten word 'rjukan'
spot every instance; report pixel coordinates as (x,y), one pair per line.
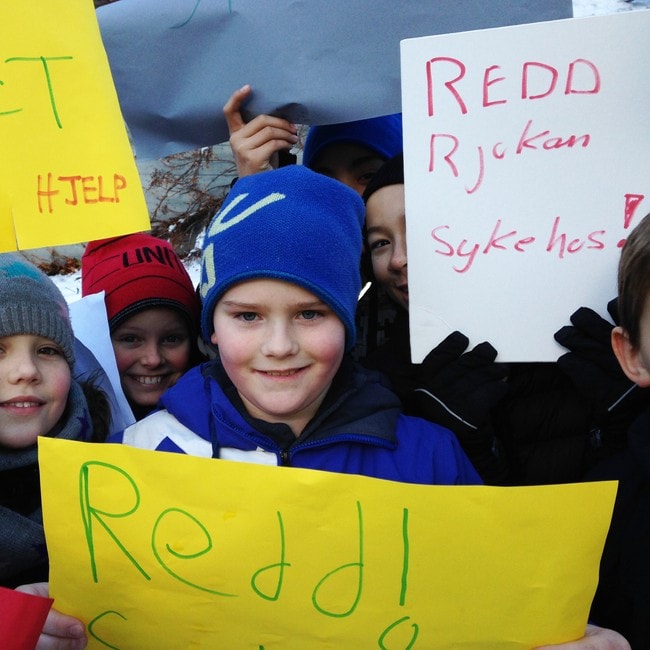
(77,190)
(444,146)
(172,555)
(446,78)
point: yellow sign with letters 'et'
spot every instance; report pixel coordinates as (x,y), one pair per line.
(161,550)
(68,171)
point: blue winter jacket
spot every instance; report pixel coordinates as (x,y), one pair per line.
(359,429)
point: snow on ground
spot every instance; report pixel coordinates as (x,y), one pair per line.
(70,285)
(600,7)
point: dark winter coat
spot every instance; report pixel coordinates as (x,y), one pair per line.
(23,555)
(622,600)
(540,432)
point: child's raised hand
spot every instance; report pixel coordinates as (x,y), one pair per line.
(60,632)
(255,144)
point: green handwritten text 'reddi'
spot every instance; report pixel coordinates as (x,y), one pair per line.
(178,537)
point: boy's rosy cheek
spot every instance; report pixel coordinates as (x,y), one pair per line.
(63,385)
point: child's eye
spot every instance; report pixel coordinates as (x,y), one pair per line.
(377,244)
(49,351)
(247,316)
(127,338)
(310,314)
(368,170)
(365,178)
(174,339)
(127,341)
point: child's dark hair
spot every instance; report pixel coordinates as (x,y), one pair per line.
(634,280)
(390,173)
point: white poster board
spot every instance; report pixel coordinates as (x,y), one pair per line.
(90,325)
(526,163)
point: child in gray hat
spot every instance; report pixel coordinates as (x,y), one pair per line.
(38,397)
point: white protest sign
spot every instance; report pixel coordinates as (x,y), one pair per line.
(526,154)
(90,325)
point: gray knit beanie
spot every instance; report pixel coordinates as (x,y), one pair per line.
(30,303)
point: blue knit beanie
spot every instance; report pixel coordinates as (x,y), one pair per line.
(30,303)
(381,134)
(289,224)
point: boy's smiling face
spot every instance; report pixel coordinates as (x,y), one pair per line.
(34,385)
(152,350)
(281,347)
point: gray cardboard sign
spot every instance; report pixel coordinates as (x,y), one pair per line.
(176,62)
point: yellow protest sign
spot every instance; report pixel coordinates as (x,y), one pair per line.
(160,550)
(7,235)
(67,165)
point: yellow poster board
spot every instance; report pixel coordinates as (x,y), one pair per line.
(161,550)
(68,171)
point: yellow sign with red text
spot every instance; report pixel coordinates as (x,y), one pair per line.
(69,173)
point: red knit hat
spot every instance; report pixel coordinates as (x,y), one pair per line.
(138,272)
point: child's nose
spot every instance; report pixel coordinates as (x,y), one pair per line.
(280,341)
(151,355)
(398,259)
(23,368)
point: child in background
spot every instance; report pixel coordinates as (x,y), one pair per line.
(544,424)
(38,397)
(350,152)
(622,600)
(452,386)
(280,282)
(152,310)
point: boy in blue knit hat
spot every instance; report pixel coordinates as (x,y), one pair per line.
(279,284)
(353,152)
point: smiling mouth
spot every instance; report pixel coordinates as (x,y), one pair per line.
(281,373)
(147,381)
(21,405)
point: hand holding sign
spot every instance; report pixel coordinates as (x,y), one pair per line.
(22,617)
